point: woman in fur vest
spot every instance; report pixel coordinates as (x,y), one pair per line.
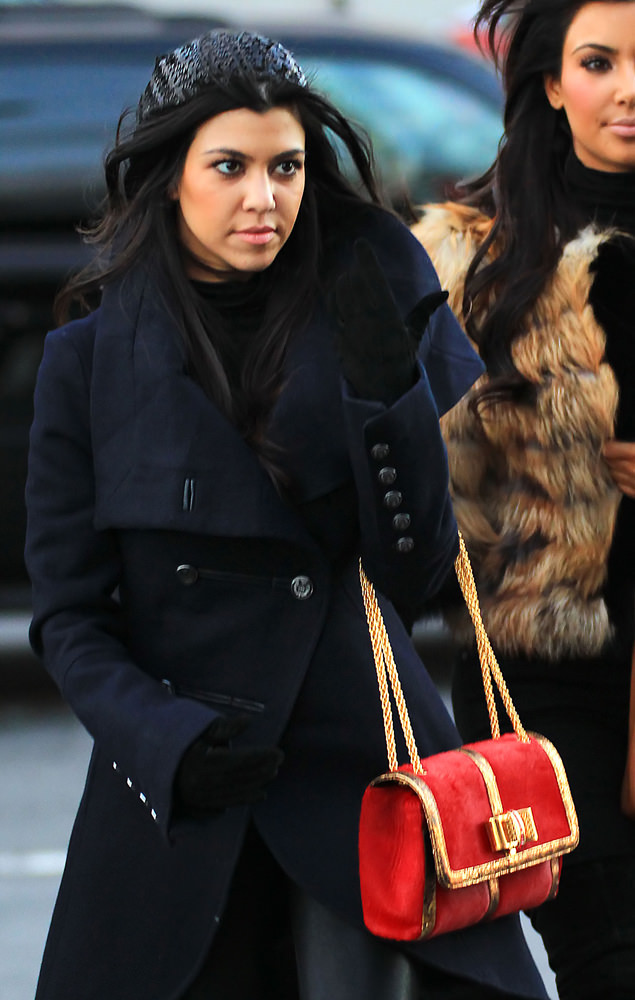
(539,259)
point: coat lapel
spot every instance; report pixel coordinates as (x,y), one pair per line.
(165,456)
(308,420)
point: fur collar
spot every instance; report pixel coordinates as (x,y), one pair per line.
(532,493)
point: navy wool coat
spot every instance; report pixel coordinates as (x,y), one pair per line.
(171,583)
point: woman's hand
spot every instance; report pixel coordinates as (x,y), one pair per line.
(620,458)
(378,348)
(214,775)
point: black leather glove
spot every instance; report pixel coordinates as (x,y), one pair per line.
(212,775)
(377,347)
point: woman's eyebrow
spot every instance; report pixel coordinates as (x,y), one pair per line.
(595,45)
(237,154)
(226,152)
(290,152)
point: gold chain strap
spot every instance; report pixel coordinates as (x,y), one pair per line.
(387,669)
(385,664)
(489,664)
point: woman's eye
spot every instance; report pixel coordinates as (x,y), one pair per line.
(596,64)
(229,167)
(289,167)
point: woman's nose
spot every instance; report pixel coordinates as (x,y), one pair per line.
(259,195)
(626,86)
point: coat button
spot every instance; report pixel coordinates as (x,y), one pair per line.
(186,574)
(405,544)
(380,451)
(387,475)
(301,587)
(401,522)
(392,499)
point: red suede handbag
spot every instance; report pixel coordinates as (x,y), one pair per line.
(465,835)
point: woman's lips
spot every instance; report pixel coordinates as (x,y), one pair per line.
(624,127)
(256,235)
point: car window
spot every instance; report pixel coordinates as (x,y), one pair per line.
(427,130)
(56,126)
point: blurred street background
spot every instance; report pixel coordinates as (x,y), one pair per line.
(407,70)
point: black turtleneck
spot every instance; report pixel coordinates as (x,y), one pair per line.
(608,200)
(240,306)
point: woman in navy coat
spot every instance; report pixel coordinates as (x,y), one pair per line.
(212,452)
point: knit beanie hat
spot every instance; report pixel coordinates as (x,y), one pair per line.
(214,59)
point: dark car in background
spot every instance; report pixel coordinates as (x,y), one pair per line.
(66,73)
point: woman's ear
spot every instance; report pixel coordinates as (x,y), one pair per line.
(553,92)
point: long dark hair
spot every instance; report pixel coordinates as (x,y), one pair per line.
(138,225)
(524,189)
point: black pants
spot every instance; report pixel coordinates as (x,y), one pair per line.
(275,943)
(589,931)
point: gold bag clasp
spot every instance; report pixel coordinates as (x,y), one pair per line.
(510,830)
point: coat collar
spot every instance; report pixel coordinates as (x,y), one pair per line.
(166,457)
